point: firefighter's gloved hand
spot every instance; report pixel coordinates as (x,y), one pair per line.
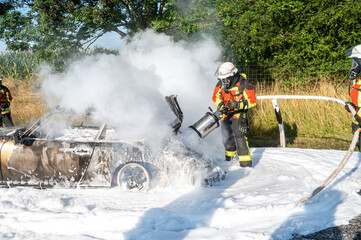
(220,106)
(4,106)
(348,106)
(358,119)
(225,111)
(352,75)
(234,105)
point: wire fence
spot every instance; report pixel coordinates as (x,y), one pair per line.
(256,73)
(262,74)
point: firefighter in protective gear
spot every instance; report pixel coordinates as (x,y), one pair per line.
(5,100)
(233,96)
(355,54)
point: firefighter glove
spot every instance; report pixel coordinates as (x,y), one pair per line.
(348,106)
(220,106)
(352,75)
(234,105)
(358,119)
(5,105)
(225,111)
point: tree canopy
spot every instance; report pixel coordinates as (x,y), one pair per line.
(308,36)
(56,28)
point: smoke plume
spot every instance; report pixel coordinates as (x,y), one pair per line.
(127,90)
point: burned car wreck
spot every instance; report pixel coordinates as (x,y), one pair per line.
(85,154)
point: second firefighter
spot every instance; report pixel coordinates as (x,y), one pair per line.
(5,100)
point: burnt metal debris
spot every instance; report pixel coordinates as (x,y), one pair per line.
(82,153)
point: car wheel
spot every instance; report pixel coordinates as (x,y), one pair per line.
(133,176)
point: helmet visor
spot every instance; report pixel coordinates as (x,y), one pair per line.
(354,52)
(225,81)
(355,65)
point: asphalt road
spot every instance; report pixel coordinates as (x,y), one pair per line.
(351,231)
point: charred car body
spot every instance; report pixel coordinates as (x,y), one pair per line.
(91,156)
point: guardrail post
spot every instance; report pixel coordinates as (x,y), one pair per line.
(280,122)
(278,113)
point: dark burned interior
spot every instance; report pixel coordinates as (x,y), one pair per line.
(39,152)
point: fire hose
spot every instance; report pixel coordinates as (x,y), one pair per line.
(210,121)
(337,170)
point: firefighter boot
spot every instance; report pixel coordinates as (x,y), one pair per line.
(230,155)
(244,155)
(245,163)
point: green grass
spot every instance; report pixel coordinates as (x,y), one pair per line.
(308,123)
(18,65)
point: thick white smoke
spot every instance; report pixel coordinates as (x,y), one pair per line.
(128,90)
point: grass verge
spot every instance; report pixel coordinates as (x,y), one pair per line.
(308,123)
(26,106)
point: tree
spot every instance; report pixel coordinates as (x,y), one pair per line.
(290,36)
(58,28)
(299,36)
(12,24)
(5,6)
(93,18)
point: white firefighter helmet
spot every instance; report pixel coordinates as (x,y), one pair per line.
(226,70)
(354,52)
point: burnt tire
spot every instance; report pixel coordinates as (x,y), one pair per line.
(133,176)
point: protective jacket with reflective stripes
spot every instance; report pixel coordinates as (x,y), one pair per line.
(241,91)
(5,99)
(356,96)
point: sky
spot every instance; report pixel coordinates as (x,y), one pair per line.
(252,203)
(2,46)
(109,40)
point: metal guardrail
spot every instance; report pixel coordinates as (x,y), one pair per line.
(276,107)
(349,152)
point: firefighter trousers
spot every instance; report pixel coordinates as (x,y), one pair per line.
(6,120)
(235,141)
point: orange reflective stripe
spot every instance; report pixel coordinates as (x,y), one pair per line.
(250,96)
(355,94)
(217,95)
(237,115)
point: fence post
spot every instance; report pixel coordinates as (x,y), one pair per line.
(280,122)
